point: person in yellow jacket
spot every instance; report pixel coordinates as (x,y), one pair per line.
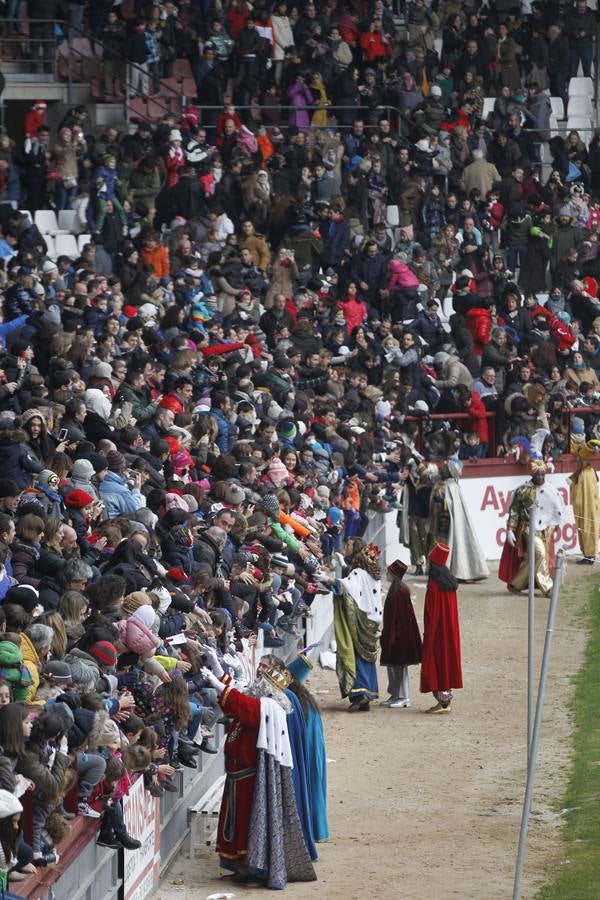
(36,642)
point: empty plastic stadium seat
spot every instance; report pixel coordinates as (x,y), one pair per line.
(50,245)
(558,107)
(579,106)
(66,245)
(66,220)
(45,219)
(580,87)
(82,240)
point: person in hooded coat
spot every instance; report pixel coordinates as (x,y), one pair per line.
(15,462)
(81,477)
(38,443)
(98,407)
(400,638)
(441,667)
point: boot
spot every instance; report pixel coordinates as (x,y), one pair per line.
(169,786)
(187,759)
(125,840)
(106,838)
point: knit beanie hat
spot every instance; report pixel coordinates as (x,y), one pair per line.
(9,805)
(104,653)
(78,499)
(98,461)
(270,504)
(9,488)
(115,460)
(58,672)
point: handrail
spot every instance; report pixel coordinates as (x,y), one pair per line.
(491,418)
(68,33)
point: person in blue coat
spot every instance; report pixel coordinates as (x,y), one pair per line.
(301,668)
(313,764)
(296,722)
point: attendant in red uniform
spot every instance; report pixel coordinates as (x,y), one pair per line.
(441,668)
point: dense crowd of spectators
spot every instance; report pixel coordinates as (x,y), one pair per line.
(198,410)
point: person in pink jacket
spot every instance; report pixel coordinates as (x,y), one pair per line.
(402,288)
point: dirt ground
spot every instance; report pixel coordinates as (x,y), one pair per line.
(429,807)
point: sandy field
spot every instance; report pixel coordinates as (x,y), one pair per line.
(429,806)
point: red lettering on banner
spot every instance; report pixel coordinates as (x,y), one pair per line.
(489,499)
(501,537)
(497,500)
(505,501)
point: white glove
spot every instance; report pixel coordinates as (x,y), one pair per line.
(64,745)
(511,538)
(212,680)
(215,665)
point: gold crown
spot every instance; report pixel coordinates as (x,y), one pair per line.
(279,678)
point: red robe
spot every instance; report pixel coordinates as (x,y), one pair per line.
(240,768)
(441,668)
(400,639)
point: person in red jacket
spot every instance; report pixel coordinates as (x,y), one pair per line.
(35,117)
(374,43)
(479,323)
(354,309)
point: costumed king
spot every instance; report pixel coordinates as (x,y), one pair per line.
(259,832)
(586,504)
(549,512)
(441,667)
(450,523)
(305,728)
(400,640)
(357,614)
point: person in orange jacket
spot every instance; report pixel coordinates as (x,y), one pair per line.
(156,255)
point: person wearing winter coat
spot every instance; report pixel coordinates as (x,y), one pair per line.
(98,407)
(81,478)
(45,762)
(137,393)
(284,273)
(299,96)
(451,372)
(116,494)
(480,174)
(15,462)
(25,550)
(507,57)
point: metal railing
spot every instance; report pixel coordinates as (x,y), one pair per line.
(423,429)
